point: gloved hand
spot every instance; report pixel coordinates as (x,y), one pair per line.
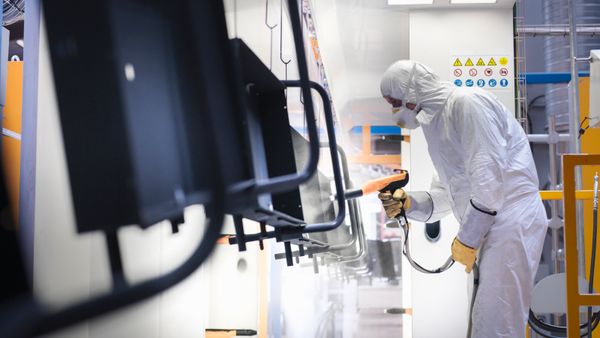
(394,203)
(463,254)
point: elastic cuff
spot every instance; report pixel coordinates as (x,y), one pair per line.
(475,224)
(491,213)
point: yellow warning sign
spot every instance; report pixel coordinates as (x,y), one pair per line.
(480,62)
(469,63)
(492,62)
(457,63)
(504,61)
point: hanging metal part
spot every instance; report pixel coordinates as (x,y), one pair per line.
(235,22)
(285,63)
(270,27)
(558,30)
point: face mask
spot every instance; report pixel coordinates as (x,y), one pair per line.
(407,118)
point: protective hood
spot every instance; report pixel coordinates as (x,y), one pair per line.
(416,83)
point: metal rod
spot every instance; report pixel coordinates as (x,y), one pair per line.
(270,27)
(575,146)
(548,138)
(285,63)
(557,30)
(335,161)
(554,220)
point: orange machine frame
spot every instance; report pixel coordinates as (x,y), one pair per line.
(574,298)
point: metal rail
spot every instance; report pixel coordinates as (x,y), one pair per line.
(558,30)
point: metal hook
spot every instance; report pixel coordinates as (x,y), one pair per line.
(281,38)
(267,16)
(235,22)
(270,27)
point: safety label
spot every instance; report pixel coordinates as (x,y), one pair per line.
(488,71)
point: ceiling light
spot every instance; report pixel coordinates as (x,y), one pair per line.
(410,2)
(472,1)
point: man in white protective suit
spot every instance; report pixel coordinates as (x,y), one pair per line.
(486,176)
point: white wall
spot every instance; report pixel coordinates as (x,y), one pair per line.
(70,267)
(435,36)
(234,298)
(358,41)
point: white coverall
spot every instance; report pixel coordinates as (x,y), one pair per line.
(484,163)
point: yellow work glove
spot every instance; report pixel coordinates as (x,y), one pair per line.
(394,203)
(463,254)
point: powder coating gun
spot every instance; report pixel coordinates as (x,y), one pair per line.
(382,184)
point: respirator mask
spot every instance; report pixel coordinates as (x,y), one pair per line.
(407,118)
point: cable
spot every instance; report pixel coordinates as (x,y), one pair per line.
(593,256)
(406,251)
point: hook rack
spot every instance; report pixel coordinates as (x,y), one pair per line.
(270,27)
(281,39)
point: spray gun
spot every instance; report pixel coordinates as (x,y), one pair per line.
(388,183)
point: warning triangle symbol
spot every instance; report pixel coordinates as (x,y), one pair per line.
(492,62)
(469,63)
(457,63)
(480,62)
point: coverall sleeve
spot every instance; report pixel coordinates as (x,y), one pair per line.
(430,206)
(480,129)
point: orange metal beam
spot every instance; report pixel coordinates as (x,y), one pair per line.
(574,298)
(557,195)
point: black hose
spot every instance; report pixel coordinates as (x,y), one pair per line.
(406,251)
(593,256)
(475,287)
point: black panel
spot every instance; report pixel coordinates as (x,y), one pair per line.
(269,140)
(276,149)
(135,82)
